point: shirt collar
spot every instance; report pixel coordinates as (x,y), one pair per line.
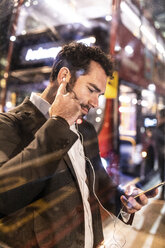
(40,103)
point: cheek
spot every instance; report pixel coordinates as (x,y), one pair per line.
(82,94)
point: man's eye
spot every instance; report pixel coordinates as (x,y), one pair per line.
(91,90)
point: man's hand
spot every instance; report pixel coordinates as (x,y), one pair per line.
(132,203)
(65,105)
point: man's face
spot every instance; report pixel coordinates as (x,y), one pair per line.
(89,87)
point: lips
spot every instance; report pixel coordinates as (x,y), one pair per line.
(85,109)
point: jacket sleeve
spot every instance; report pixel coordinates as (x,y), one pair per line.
(109,194)
(24,175)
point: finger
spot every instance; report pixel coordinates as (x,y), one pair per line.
(127,207)
(129,190)
(152,193)
(62,88)
(72,95)
(130,204)
(142,199)
(132,191)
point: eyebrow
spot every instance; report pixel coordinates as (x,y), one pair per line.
(96,88)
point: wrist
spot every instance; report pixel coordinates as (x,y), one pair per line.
(57,117)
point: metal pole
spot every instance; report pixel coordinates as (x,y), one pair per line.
(114,102)
(9,55)
(114,25)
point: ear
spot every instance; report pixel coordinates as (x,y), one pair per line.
(64,75)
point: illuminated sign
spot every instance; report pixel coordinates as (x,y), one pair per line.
(149,122)
(42,53)
(45,52)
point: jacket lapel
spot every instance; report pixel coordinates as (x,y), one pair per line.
(91,149)
(70,166)
(89,141)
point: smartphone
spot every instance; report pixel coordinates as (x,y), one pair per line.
(148,192)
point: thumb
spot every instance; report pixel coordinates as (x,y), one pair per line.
(62,88)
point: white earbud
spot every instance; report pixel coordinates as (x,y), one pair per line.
(64,79)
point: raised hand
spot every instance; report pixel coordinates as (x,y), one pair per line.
(65,105)
(134,199)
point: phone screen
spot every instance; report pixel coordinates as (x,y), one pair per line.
(149,192)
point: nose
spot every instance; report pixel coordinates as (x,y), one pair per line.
(94,101)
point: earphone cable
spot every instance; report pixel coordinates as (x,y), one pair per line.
(113,217)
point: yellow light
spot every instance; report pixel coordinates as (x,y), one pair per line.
(112,86)
(144,154)
(13,98)
(3,83)
(6,75)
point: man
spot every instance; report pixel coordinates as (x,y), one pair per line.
(52,180)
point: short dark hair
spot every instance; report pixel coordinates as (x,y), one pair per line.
(77,56)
